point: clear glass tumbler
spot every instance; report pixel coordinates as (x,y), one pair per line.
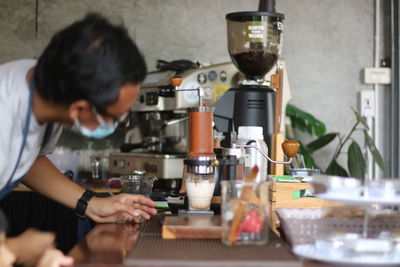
(245,212)
(200,189)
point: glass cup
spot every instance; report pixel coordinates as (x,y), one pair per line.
(95,166)
(245,217)
(132,184)
(200,189)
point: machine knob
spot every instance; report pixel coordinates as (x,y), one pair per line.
(176,81)
(290,148)
(121,163)
(208,92)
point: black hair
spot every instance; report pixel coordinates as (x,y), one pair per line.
(3,222)
(89,60)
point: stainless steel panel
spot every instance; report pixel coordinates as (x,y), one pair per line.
(159,165)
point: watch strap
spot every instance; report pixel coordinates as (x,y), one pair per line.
(82,203)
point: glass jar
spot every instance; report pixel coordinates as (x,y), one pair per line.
(245,212)
(136,183)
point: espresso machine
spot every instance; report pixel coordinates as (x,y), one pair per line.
(159,142)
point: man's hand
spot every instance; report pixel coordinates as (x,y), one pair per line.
(120,208)
(30,246)
(46,179)
(54,258)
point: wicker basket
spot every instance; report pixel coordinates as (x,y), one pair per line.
(281,196)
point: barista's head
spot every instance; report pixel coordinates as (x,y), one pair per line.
(7,258)
(91,67)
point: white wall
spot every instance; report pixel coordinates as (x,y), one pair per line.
(326,42)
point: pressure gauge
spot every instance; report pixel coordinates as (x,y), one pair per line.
(191,97)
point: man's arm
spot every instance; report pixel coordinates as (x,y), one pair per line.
(46,179)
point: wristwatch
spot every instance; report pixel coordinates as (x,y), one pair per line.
(82,203)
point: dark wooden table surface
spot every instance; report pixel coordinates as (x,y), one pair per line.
(122,245)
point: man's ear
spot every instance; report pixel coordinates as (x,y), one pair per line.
(79,108)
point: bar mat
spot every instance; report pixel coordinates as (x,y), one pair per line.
(151,250)
(152,226)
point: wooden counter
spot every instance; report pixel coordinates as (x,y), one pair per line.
(141,245)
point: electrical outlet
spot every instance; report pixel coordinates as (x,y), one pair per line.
(367,103)
(377,75)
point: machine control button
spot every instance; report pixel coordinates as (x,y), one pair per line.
(167,91)
(212,75)
(121,163)
(152,98)
(208,92)
(202,78)
(151,168)
(223,76)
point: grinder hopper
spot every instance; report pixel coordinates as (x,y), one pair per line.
(254,40)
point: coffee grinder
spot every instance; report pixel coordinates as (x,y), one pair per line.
(254,44)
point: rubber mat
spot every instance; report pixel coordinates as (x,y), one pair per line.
(151,250)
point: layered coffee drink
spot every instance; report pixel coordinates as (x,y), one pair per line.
(200,192)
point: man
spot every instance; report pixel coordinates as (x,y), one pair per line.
(89,76)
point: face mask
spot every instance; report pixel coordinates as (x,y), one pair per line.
(103,130)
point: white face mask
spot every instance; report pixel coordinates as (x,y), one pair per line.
(103,130)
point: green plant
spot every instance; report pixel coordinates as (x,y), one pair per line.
(307,123)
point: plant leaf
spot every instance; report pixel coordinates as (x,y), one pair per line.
(376,155)
(292,110)
(305,121)
(321,141)
(360,118)
(355,161)
(299,123)
(335,169)
(319,128)
(310,129)
(308,159)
